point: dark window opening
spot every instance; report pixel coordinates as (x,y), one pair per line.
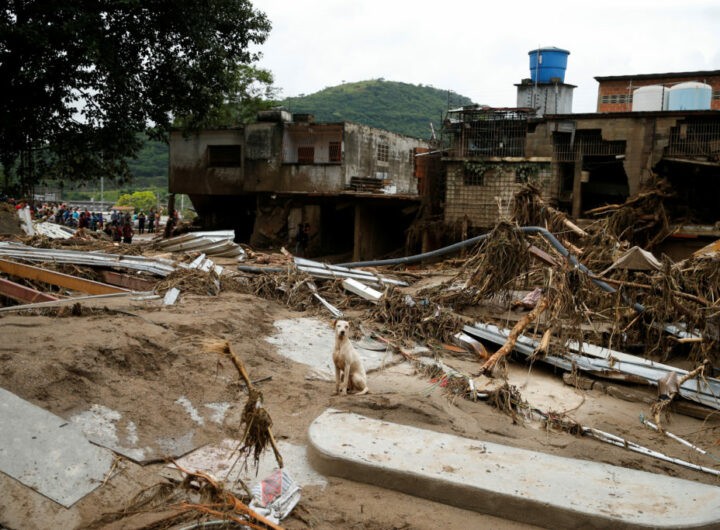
(306,155)
(224,155)
(335,152)
(473,177)
(604,182)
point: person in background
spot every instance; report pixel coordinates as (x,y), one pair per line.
(151,222)
(141,222)
(127,230)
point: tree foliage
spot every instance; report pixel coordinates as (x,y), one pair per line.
(403,108)
(80,80)
(140,200)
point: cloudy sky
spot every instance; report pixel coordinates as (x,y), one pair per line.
(480,49)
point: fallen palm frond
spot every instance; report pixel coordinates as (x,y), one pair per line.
(257,435)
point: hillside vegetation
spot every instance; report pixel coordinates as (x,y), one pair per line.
(403,108)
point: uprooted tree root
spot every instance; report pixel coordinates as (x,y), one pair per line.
(257,434)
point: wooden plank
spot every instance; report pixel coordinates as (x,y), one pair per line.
(67,281)
(127,281)
(20,293)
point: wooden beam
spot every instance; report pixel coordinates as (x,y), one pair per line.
(20,293)
(59,279)
(128,281)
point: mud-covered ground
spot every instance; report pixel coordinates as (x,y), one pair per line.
(145,363)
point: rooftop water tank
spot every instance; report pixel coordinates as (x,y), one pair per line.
(649,98)
(548,64)
(690,96)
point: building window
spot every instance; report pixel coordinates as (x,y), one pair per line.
(335,152)
(716,94)
(306,155)
(473,177)
(224,156)
(606,99)
(383,152)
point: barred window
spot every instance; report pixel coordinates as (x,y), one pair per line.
(335,152)
(383,152)
(306,155)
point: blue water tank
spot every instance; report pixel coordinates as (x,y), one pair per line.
(548,63)
(691,95)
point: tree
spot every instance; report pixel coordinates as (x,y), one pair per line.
(253,91)
(140,200)
(80,80)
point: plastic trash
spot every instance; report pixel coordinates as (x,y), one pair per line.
(275,496)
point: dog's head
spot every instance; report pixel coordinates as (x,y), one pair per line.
(342,329)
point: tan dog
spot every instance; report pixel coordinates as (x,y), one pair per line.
(349,370)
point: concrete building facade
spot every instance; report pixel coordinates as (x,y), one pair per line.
(578,161)
(347,181)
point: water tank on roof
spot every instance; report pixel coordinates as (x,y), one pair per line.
(548,64)
(690,96)
(649,98)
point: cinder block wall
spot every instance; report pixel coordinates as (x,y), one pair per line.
(486,200)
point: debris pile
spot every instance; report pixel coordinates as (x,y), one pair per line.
(592,303)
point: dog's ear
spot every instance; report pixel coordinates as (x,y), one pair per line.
(334,322)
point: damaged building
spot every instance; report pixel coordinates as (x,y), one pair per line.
(581,161)
(347,181)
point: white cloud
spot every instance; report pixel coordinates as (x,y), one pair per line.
(480,50)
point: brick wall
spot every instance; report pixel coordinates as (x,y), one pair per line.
(486,196)
(625,87)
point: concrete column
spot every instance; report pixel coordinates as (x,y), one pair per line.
(312,215)
(366,226)
(577,187)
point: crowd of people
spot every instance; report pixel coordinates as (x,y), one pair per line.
(120,226)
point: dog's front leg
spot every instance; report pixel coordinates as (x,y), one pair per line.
(338,377)
(346,380)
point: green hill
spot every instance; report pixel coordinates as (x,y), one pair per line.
(398,107)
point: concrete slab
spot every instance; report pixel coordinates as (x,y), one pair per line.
(109,428)
(310,341)
(512,483)
(48,453)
